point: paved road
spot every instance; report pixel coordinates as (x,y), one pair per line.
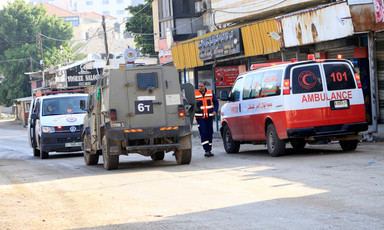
(319,188)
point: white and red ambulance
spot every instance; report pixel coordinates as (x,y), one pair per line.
(300,102)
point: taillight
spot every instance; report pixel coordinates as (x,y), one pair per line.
(181,111)
(339,56)
(113,114)
(311,57)
(286,87)
(357,76)
(59,127)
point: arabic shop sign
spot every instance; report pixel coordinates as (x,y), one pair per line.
(82,78)
(220,45)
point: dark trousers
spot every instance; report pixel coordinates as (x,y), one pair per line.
(206,130)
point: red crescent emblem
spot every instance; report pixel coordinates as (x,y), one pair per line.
(307,83)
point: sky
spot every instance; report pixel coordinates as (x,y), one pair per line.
(4,2)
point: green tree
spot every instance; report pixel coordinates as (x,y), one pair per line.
(141,27)
(20,51)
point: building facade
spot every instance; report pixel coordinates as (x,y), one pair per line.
(241,33)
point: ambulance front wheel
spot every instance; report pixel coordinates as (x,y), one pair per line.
(230,145)
(298,143)
(349,145)
(276,147)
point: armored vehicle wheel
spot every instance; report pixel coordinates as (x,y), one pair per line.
(110,161)
(90,159)
(298,143)
(36,152)
(276,147)
(183,156)
(349,145)
(158,156)
(230,145)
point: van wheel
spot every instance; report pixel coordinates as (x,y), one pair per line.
(158,156)
(90,159)
(298,143)
(276,147)
(36,152)
(43,154)
(230,145)
(349,145)
(109,161)
(183,156)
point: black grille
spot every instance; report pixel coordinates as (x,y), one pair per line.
(67,129)
(68,139)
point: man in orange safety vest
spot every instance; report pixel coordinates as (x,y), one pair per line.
(206,108)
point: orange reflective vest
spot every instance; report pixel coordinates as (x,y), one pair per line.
(204,104)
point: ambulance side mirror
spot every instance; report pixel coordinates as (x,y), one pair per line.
(224,95)
(83,105)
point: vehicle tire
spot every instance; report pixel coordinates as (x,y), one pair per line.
(183,156)
(43,154)
(109,161)
(230,145)
(36,152)
(276,147)
(298,143)
(349,145)
(90,159)
(158,156)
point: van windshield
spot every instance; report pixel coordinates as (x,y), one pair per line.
(62,106)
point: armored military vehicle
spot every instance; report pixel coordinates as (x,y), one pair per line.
(140,110)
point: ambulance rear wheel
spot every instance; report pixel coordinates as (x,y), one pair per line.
(158,156)
(230,145)
(183,156)
(349,145)
(109,161)
(276,147)
(298,143)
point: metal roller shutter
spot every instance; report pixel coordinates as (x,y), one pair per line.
(380,73)
(347,52)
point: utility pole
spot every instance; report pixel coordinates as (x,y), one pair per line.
(105,40)
(38,37)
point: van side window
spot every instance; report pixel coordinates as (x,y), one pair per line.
(306,79)
(237,88)
(271,85)
(339,76)
(36,108)
(256,84)
(247,86)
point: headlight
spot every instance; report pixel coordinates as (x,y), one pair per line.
(48,129)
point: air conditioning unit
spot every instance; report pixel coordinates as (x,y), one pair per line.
(199,7)
(201,32)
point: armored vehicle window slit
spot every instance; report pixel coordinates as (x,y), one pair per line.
(147,80)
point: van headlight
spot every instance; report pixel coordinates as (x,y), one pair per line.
(48,129)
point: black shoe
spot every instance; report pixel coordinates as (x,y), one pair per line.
(208,154)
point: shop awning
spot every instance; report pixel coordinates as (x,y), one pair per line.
(257,40)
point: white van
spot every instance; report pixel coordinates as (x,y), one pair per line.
(55,124)
(299,102)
